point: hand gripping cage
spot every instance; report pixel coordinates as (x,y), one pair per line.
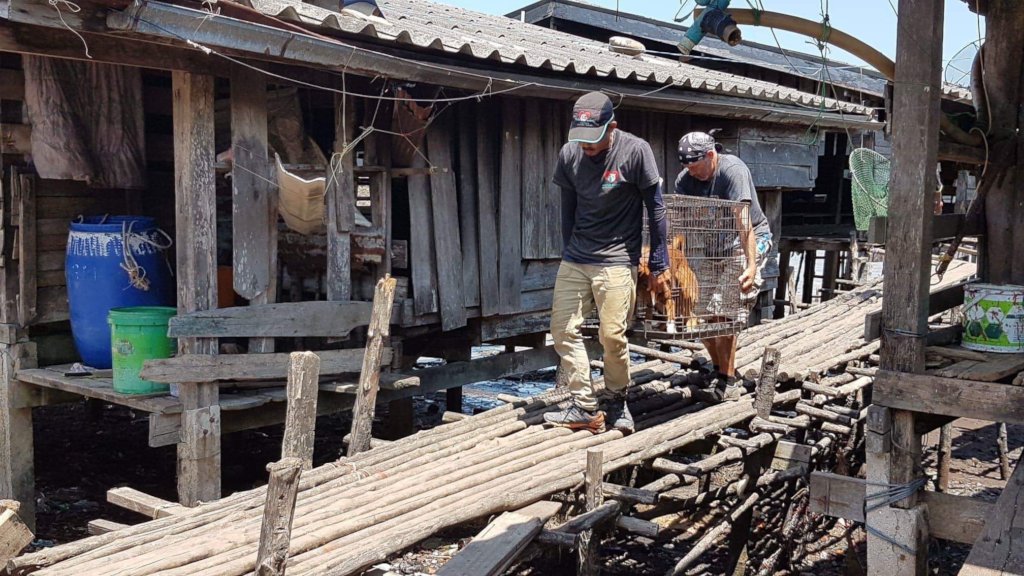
(706,260)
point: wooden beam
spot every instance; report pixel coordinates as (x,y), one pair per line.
(165,429)
(101,526)
(14,535)
(143,503)
(997,550)
(949,397)
(944,227)
(196,232)
(961,153)
(341,202)
(955,518)
(496,547)
(292,319)
(254,198)
(940,300)
(239,367)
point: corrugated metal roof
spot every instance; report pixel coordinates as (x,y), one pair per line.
(789,61)
(429,25)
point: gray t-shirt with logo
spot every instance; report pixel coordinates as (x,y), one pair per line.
(603,203)
(732,181)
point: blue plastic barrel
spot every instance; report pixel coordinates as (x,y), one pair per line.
(102,275)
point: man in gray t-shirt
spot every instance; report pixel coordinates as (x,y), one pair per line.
(606,177)
(710,174)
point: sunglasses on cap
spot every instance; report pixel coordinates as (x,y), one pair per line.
(687,160)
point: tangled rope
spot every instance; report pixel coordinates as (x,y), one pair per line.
(137,274)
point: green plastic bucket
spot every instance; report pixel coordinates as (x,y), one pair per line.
(138,334)
(994,318)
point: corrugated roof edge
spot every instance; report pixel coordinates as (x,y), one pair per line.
(458,32)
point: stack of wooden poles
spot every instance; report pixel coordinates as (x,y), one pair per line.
(826,336)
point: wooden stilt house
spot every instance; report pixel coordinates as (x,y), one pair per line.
(436,131)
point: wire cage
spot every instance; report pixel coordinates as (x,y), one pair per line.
(706,260)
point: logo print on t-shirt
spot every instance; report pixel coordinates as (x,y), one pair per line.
(610,179)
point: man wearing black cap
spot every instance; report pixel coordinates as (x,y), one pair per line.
(606,177)
(710,174)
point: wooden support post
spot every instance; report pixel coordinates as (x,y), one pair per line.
(17,474)
(829,275)
(369,377)
(810,260)
(276,532)
(781,291)
(856,260)
(915,128)
(300,420)
(196,231)
(401,419)
(945,455)
(589,541)
(453,395)
(341,202)
(1004,459)
(254,198)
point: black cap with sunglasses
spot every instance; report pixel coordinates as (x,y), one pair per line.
(694,146)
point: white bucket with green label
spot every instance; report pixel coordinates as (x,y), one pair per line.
(994,318)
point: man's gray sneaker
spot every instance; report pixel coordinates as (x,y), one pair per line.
(576,418)
(618,414)
(726,389)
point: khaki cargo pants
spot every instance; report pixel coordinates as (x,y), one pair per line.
(578,288)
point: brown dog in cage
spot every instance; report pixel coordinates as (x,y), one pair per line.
(681,277)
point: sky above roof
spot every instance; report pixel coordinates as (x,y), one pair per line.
(872,21)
